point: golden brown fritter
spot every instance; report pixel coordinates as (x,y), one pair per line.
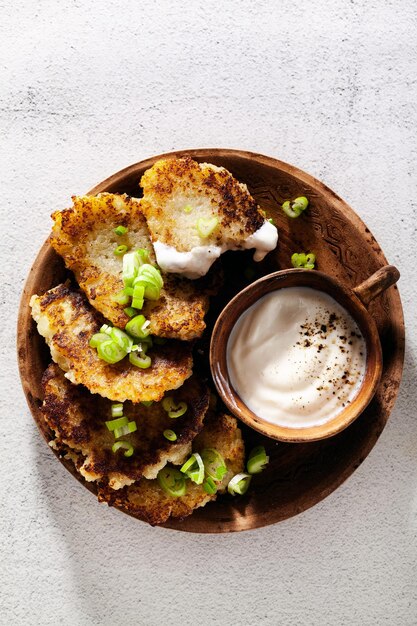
(180,195)
(78,418)
(84,236)
(67,322)
(148,501)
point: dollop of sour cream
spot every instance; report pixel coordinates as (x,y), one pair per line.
(296,357)
(197,261)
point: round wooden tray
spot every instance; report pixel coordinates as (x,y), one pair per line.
(299,475)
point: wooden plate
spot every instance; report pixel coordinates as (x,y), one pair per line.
(299,475)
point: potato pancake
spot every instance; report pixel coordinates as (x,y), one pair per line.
(196,211)
(149,502)
(84,236)
(77,419)
(67,321)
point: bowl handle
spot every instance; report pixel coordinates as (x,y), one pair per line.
(377,283)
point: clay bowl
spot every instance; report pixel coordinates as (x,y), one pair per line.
(354,301)
(298,475)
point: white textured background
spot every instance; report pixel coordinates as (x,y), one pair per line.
(90,87)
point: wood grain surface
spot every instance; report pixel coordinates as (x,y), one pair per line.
(299,475)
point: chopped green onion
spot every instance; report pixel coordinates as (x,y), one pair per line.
(149,271)
(239,484)
(117,410)
(97,339)
(126,429)
(205,226)
(147,402)
(209,486)
(121,297)
(194,468)
(172,481)
(128,291)
(295,207)
(122,339)
(170,435)
(306,261)
(271,221)
(214,464)
(152,292)
(138,327)
(143,255)
(106,329)
(130,311)
(112,425)
(110,351)
(120,230)
(188,208)
(143,345)
(138,295)
(174,410)
(257,460)
(125,445)
(120,250)
(140,360)
(131,264)
(182,408)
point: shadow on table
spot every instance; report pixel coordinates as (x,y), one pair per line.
(110,553)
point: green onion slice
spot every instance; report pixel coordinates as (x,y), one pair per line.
(172,481)
(214,464)
(138,327)
(120,230)
(138,296)
(143,255)
(150,289)
(205,226)
(140,360)
(110,351)
(116,410)
(129,449)
(170,435)
(126,429)
(295,207)
(122,339)
(120,250)
(194,468)
(149,271)
(130,311)
(174,410)
(131,264)
(106,329)
(257,460)
(97,339)
(113,425)
(306,261)
(147,402)
(209,486)
(239,484)
(120,297)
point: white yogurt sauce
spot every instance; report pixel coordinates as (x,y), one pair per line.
(197,262)
(296,357)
